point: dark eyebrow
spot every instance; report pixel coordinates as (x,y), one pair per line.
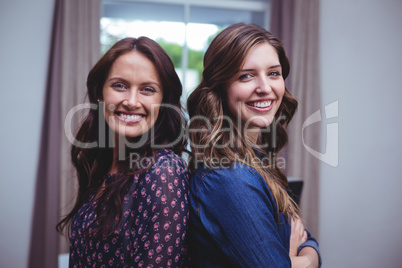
(152,83)
(119,79)
(275,66)
(271,67)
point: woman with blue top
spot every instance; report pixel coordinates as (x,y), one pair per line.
(240,212)
(132,204)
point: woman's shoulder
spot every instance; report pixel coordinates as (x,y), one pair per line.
(225,171)
(167,160)
(235,174)
(167,155)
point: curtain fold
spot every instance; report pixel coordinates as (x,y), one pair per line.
(281,25)
(43,244)
(306,89)
(296,23)
(80,51)
(75,48)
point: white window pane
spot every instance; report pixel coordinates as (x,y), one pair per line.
(164,22)
(225,16)
(143,11)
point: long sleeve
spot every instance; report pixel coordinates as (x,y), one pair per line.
(152,231)
(236,211)
(311,242)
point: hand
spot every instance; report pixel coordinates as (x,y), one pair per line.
(308,258)
(300,262)
(298,236)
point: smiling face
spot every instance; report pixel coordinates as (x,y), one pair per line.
(132,93)
(256,94)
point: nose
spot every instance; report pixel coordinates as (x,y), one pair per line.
(131,100)
(263,85)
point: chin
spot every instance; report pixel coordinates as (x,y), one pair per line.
(261,123)
(123,132)
(133,135)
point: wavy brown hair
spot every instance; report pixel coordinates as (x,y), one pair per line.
(92,164)
(209,114)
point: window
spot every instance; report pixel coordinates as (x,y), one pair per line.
(183,28)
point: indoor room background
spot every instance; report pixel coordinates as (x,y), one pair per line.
(360,61)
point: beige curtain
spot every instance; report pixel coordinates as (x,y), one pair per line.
(296,22)
(281,25)
(44,239)
(80,51)
(75,48)
(306,89)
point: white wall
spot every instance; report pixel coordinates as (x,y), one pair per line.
(25,29)
(361,64)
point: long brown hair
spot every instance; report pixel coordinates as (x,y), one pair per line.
(92,164)
(208,111)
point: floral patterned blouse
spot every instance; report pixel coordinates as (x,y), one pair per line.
(152,231)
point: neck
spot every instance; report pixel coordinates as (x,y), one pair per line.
(252,135)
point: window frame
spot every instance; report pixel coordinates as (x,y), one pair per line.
(252,6)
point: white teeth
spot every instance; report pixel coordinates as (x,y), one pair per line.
(130,117)
(263,104)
